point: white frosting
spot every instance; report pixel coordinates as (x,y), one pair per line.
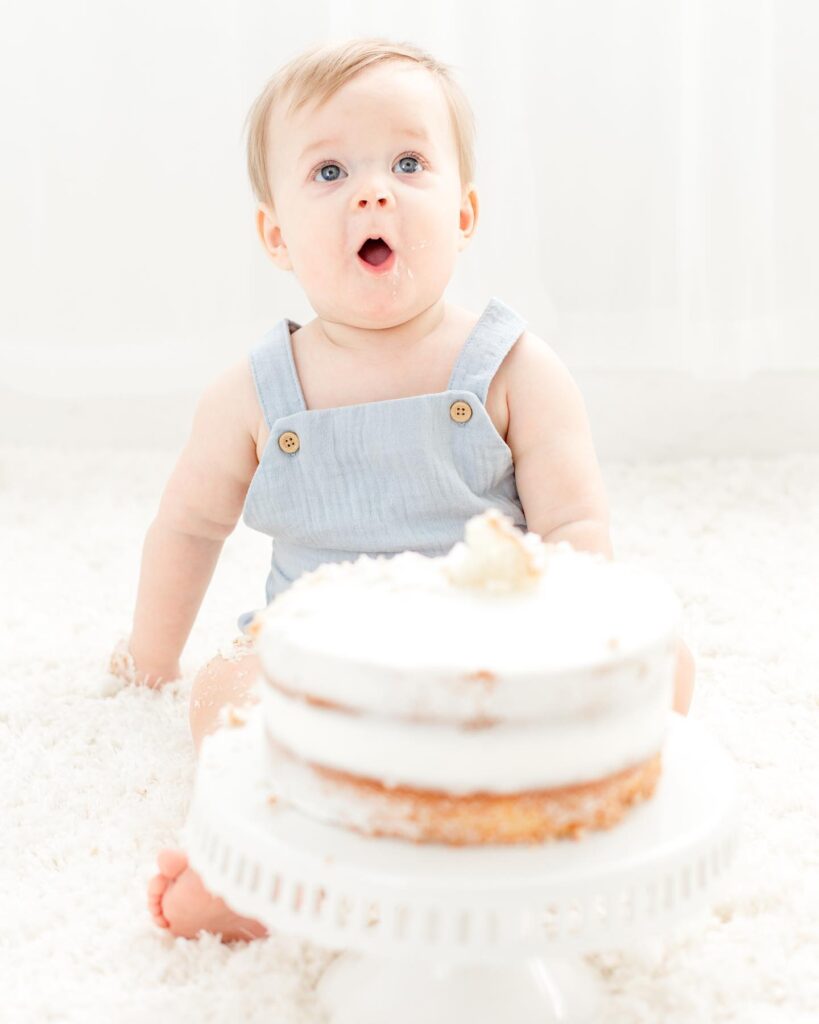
(500,759)
(496,555)
(572,654)
(394,635)
(451,695)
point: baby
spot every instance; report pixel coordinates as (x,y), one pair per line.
(385,422)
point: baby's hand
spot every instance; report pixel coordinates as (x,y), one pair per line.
(123,666)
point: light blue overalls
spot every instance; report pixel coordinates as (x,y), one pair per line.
(380,477)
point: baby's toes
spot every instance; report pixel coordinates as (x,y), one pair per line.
(171,864)
(156,890)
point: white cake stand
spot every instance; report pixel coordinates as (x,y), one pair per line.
(438,934)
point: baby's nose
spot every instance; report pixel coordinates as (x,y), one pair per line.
(373,193)
(381,200)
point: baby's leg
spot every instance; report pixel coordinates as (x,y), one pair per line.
(176,897)
(222,681)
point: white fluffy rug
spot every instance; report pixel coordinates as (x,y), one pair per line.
(97,777)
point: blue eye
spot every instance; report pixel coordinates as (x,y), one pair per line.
(326,167)
(410,156)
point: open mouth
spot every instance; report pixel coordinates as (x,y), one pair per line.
(375,252)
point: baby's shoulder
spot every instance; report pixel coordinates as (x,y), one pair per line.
(234,397)
(532,358)
(538,385)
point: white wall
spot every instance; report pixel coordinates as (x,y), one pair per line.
(647,173)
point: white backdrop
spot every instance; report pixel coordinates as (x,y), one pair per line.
(647,173)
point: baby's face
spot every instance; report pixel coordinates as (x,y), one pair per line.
(353,168)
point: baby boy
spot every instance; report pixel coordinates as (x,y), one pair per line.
(386,421)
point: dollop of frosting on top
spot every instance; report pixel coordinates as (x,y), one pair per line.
(497,556)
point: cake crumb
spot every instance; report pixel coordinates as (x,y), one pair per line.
(237,649)
(483,675)
(480,722)
(232,716)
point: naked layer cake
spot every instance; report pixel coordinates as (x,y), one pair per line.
(509,691)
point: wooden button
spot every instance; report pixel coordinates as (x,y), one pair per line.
(289,442)
(460,411)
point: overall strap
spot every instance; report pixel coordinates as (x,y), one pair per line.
(496,331)
(274,373)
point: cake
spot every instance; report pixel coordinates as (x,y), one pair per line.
(509,691)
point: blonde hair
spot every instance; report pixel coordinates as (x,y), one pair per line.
(317,73)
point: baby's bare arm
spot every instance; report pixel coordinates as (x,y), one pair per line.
(556,469)
(199,508)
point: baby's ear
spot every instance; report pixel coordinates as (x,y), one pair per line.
(468,220)
(267,225)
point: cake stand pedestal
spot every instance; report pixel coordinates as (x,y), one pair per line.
(434,933)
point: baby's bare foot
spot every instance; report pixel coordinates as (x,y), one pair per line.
(178,901)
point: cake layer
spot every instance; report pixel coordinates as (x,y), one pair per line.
(470,698)
(496,759)
(394,636)
(527,817)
